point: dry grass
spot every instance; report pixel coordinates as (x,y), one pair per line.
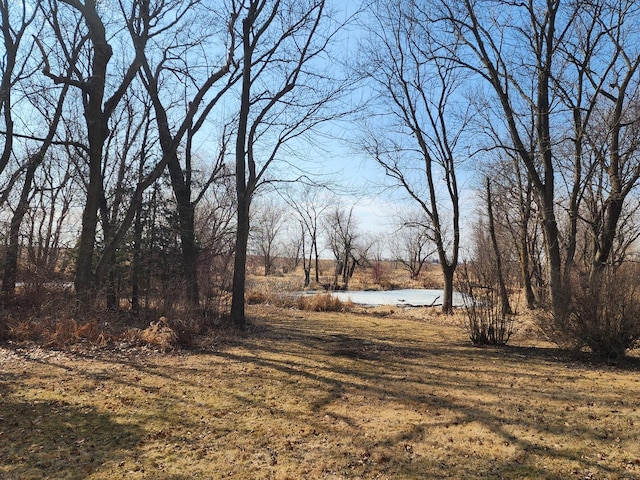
(323,302)
(385,394)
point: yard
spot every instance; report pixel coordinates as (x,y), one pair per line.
(382,393)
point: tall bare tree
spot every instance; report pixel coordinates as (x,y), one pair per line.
(91,76)
(206,85)
(285,92)
(416,137)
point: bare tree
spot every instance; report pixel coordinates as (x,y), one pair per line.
(47,219)
(517,207)
(215,228)
(500,276)
(412,244)
(293,245)
(418,131)
(310,208)
(99,103)
(267,224)
(14,25)
(285,92)
(565,69)
(181,46)
(342,236)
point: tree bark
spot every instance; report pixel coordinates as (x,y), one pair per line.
(240,265)
(97,133)
(11,257)
(243,187)
(186,221)
(504,296)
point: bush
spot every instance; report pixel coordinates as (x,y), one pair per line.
(603,315)
(487,323)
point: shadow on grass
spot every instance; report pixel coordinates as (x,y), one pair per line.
(54,439)
(437,377)
(375,366)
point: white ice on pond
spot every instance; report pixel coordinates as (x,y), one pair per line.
(406,297)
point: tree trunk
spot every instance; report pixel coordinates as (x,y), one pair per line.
(186,221)
(604,242)
(558,291)
(240,266)
(135,260)
(504,296)
(97,133)
(84,278)
(525,274)
(11,258)
(317,260)
(447,291)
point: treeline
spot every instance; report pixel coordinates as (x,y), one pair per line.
(543,99)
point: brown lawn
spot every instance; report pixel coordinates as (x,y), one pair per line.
(371,394)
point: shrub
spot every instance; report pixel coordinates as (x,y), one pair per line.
(603,315)
(256,297)
(323,302)
(487,322)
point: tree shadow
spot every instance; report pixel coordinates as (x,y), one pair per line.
(359,363)
(55,439)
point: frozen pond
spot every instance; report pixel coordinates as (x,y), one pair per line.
(407,297)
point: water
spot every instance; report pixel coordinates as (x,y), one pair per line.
(408,297)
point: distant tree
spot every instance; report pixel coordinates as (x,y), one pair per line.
(268,221)
(215,229)
(293,244)
(342,235)
(310,208)
(45,224)
(412,244)
(497,255)
(15,22)
(373,255)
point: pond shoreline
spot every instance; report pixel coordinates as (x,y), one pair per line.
(409,297)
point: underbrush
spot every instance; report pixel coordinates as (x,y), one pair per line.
(602,314)
(54,321)
(58,324)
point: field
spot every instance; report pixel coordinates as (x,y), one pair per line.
(387,394)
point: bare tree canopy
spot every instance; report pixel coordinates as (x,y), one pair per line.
(417,126)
